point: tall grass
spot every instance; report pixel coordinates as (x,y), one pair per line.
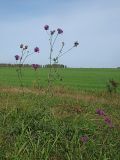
(36,126)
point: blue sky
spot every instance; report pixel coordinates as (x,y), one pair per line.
(94,23)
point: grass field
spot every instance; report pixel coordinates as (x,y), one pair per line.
(77,79)
(35,125)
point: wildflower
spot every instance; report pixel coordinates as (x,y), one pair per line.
(52,32)
(17,57)
(84,139)
(76,44)
(100,112)
(108,121)
(59,31)
(35,66)
(26,47)
(46,27)
(36,49)
(21,46)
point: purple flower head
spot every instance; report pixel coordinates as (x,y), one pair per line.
(26,47)
(17,57)
(21,46)
(52,32)
(100,112)
(84,139)
(36,49)
(108,121)
(46,27)
(76,44)
(60,31)
(35,66)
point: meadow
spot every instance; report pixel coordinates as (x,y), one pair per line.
(73,78)
(79,121)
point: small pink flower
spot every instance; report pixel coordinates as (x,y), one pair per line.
(36,49)
(108,121)
(100,112)
(60,31)
(46,27)
(35,66)
(84,139)
(17,57)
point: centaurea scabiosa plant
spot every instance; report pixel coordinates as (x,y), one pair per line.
(53,35)
(21,58)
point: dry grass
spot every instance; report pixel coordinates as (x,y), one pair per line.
(102,98)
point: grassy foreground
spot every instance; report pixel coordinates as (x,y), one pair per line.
(37,126)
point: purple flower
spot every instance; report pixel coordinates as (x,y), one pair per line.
(52,32)
(100,112)
(17,57)
(36,49)
(76,44)
(46,27)
(84,139)
(21,46)
(35,66)
(60,31)
(108,121)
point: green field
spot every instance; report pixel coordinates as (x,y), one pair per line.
(64,125)
(78,79)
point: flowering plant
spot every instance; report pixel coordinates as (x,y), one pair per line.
(54,58)
(20,60)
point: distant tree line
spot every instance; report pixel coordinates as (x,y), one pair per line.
(29,65)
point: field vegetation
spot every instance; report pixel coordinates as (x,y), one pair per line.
(80,120)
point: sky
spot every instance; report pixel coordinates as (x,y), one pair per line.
(95,24)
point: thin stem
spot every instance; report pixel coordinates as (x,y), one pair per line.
(65,52)
(54,40)
(26,57)
(23,51)
(60,51)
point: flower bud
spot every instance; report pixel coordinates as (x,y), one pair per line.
(21,46)
(26,47)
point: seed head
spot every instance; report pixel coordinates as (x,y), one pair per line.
(76,44)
